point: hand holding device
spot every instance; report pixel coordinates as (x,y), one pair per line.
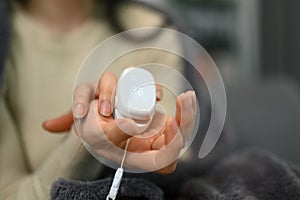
(105,138)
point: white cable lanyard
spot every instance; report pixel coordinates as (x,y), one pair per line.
(118,177)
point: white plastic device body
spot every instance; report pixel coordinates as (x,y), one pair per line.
(136,97)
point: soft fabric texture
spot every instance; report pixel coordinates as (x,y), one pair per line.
(248,175)
(131,188)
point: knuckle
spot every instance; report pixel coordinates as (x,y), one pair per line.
(82,88)
(108,74)
(82,93)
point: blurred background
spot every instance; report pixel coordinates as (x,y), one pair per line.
(256,46)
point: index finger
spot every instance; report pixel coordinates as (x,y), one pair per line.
(106,92)
(82,97)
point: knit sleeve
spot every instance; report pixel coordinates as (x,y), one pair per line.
(68,160)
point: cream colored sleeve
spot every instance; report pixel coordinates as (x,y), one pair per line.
(68,160)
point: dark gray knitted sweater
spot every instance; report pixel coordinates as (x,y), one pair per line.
(249,175)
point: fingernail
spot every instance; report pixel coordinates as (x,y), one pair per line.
(105,109)
(194,101)
(193,93)
(78,111)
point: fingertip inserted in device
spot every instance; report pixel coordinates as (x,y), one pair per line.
(136,97)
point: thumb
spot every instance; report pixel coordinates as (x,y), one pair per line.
(59,124)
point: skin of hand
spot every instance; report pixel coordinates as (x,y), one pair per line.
(156,150)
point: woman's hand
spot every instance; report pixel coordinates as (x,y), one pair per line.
(157,148)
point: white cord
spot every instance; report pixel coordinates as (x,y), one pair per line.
(125,151)
(118,177)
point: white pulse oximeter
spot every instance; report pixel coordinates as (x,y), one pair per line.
(136,97)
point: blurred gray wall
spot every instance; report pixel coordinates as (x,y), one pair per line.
(280,37)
